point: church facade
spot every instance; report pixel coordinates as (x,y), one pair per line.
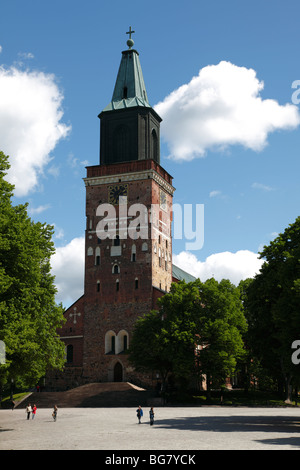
(128,238)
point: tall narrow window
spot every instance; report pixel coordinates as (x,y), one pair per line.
(97,257)
(133,253)
(136,283)
(125,91)
(110,342)
(98,286)
(116,269)
(117,285)
(113,344)
(154,149)
(69,353)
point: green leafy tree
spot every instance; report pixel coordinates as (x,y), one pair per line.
(164,340)
(148,347)
(222,325)
(273,306)
(198,331)
(29,315)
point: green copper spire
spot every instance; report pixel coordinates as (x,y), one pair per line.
(130,90)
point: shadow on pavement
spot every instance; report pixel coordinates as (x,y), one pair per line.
(280,424)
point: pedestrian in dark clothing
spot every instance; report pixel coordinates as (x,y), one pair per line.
(54,414)
(139,413)
(151,415)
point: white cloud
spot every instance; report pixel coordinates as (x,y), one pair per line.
(58,232)
(263,187)
(39,209)
(26,55)
(215,193)
(54,171)
(233,266)
(220,107)
(68,268)
(75,163)
(30,124)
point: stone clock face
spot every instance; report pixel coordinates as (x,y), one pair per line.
(163,200)
(116,191)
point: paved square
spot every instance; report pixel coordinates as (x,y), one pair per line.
(203,428)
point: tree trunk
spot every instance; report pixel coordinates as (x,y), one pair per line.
(288,388)
(208,386)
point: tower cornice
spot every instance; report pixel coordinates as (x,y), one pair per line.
(125,177)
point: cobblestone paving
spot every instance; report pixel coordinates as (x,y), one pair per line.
(203,428)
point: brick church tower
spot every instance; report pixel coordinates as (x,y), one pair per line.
(128,241)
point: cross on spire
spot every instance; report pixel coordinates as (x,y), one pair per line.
(130,32)
(130,41)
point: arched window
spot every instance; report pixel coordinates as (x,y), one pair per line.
(154,145)
(133,253)
(110,342)
(116,269)
(125,342)
(113,344)
(122,342)
(97,256)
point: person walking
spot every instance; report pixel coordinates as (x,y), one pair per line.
(28,410)
(151,416)
(33,411)
(54,414)
(139,413)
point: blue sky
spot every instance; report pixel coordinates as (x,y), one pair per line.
(239,157)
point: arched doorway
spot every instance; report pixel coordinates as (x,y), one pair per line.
(118,372)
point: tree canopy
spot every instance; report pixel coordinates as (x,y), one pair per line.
(29,315)
(273,306)
(221,329)
(196,331)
